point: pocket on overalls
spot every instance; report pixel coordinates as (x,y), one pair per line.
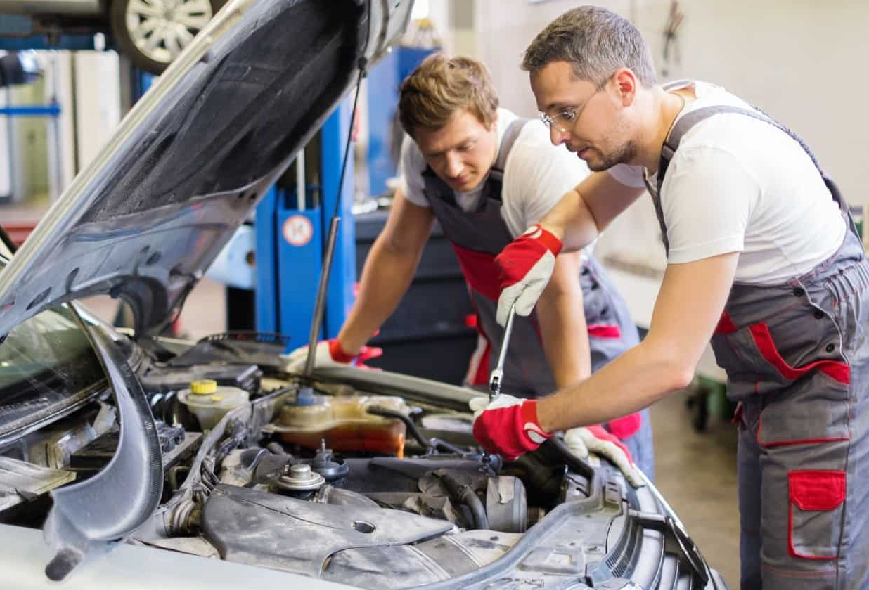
(793,363)
(816,500)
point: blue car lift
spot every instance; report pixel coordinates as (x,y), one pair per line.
(291,239)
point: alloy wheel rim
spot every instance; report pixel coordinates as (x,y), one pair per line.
(161,29)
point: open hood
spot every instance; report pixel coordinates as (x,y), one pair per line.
(148,216)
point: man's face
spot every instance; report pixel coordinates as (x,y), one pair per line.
(588,119)
(461,152)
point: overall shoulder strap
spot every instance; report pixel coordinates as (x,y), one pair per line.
(689,120)
(676,84)
(510,136)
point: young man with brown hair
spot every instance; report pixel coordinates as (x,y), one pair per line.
(485,175)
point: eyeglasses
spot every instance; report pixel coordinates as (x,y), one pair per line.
(565,118)
(562,120)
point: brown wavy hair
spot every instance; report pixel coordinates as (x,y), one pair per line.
(440,86)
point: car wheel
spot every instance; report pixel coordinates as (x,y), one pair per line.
(153,32)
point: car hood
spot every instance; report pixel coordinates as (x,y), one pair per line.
(148,216)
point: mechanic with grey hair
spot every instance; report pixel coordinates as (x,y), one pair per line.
(485,175)
(763,259)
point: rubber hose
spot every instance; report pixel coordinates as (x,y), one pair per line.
(411,427)
(466,496)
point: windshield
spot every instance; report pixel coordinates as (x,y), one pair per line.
(45,363)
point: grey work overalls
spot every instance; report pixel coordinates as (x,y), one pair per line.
(797,361)
(477,237)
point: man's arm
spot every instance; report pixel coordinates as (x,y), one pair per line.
(588,209)
(388,271)
(688,307)
(563,329)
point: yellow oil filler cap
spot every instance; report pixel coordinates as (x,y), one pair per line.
(203,386)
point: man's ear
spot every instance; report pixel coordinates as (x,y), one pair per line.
(494,124)
(626,83)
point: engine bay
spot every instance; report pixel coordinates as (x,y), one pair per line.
(349,483)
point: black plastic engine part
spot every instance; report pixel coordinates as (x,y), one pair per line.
(391,474)
(256,348)
(258,528)
(175,443)
(160,378)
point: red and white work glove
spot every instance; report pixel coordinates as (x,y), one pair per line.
(595,439)
(328,353)
(507,426)
(524,267)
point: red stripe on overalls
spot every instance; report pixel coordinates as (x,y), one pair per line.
(605,331)
(725,324)
(838,370)
(762,337)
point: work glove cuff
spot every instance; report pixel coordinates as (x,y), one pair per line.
(530,423)
(545,237)
(338,354)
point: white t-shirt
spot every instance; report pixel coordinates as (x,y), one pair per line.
(737,184)
(536,175)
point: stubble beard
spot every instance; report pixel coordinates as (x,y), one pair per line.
(622,155)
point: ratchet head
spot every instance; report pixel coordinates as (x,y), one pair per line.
(495,382)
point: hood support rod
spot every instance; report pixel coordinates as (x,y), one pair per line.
(320,302)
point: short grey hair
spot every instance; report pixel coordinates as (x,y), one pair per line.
(596,42)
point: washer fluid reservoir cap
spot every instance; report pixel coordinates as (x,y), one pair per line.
(203,386)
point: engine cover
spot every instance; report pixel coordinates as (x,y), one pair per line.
(259,528)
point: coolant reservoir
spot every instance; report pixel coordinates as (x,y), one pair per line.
(345,424)
(210,402)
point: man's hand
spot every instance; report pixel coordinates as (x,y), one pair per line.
(525,266)
(328,353)
(594,439)
(507,426)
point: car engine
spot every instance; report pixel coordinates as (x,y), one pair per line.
(362,479)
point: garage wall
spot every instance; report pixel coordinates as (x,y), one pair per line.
(30,176)
(794,58)
(98,101)
(5,153)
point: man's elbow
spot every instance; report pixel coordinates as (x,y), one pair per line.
(679,375)
(675,370)
(675,363)
(393,247)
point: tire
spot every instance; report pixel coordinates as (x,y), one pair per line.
(135,24)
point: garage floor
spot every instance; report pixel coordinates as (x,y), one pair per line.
(696,472)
